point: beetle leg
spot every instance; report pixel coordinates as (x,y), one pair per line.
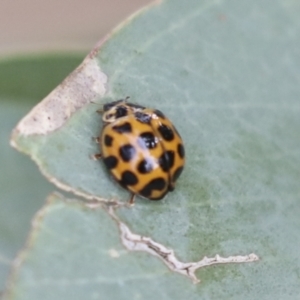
(99,111)
(96,156)
(171,186)
(132,199)
(96,139)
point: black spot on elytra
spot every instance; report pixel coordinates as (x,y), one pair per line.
(108,140)
(159,114)
(145,166)
(155,184)
(142,117)
(127,152)
(110,162)
(177,174)
(128,178)
(166,132)
(180,150)
(166,160)
(147,140)
(123,128)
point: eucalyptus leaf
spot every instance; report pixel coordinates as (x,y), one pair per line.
(226,73)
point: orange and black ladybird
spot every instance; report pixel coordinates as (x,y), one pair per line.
(141,148)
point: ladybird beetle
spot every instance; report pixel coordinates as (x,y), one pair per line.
(141,148)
